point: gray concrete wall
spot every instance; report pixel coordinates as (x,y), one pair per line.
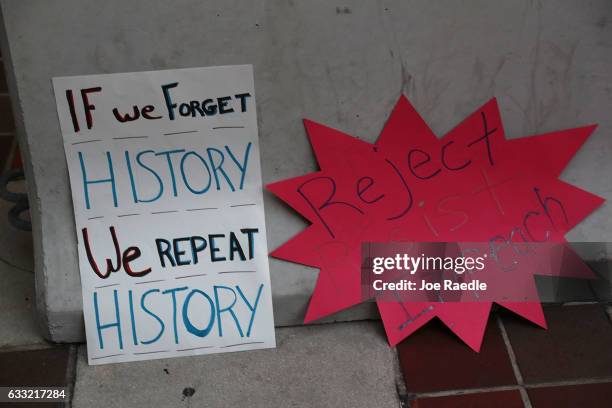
(340,63)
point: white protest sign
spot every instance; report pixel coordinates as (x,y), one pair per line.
(166,185)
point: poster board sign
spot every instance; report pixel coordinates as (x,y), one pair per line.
(166,185)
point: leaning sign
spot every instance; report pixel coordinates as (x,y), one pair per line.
(166,186)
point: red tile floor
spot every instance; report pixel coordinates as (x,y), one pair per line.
(520,364)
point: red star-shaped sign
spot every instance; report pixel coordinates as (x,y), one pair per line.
(472,185)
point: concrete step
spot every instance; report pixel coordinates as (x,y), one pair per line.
(330,365)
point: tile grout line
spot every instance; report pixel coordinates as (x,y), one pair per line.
(515,367)
(467,391)
(71,372)
(580,303)
(563,383)
(510,350)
